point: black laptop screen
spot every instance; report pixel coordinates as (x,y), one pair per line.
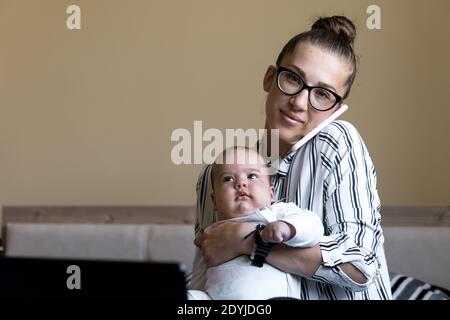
(89,280)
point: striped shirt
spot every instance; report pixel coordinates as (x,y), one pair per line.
(333,176)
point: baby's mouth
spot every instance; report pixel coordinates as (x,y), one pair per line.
(243,195)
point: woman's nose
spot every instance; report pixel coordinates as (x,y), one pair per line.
(299,102)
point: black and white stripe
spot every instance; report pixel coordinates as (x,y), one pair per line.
(408,288)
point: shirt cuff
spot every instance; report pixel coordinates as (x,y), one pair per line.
(335,275)
(329,271)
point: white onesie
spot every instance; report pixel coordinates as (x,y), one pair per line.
(238,279)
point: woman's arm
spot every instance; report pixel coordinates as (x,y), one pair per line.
(309,230)
(352,245)
(300,261)
(305,262)
(225,241)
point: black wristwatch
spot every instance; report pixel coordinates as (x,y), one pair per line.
(261,249)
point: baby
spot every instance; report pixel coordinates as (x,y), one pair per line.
(242,192)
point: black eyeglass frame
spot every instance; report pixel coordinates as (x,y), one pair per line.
(280,69)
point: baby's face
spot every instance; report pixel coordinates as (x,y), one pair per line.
(241,188)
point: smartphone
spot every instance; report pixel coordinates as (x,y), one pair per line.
(322,125)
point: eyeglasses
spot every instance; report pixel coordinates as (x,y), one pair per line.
(291,84)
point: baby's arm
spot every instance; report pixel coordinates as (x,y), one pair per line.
(306,228)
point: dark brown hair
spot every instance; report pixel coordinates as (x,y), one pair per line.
(335,34)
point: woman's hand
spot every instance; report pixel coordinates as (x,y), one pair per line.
(224,241)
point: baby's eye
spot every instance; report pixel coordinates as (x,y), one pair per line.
(228,179)
(252,176)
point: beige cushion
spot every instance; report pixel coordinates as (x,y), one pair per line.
(102,241)
(85,241)
(170,242)
(420,252)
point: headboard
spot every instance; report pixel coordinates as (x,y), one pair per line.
(99,214)
(432,216)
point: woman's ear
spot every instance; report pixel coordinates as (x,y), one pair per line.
(213,200)
(268,78)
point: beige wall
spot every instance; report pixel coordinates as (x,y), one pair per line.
(86,116)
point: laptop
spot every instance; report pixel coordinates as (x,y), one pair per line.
(45,279)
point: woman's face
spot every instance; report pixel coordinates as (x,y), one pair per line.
(293,115)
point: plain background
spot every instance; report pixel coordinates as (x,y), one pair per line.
(86,115)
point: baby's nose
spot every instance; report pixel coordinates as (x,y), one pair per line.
(241,184)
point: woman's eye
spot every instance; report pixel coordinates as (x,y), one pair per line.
(252,176)
(228,179)
(323,94)
(292,78)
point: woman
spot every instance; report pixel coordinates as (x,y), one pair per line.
(331,175)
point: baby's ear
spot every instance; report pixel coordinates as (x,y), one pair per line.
(272,194)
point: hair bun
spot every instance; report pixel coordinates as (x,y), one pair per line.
(338,25)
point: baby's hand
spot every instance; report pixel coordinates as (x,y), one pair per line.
(277,232)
